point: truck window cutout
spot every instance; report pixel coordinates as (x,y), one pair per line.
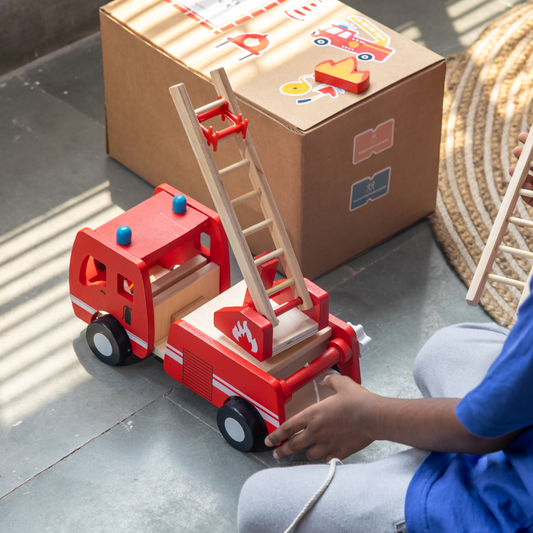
(125,287)
(93,272)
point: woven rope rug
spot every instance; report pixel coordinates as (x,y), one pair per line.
(487,102)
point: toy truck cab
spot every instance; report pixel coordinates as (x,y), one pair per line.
(129,290)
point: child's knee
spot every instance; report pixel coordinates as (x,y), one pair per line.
(254,511)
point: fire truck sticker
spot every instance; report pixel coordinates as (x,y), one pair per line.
(222,15)
(252,43)
(240,332)
(304,85)
(370,189)
(373,141)
(345,35)
(300,13)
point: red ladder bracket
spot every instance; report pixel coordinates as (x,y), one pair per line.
(247,328)
(238,124)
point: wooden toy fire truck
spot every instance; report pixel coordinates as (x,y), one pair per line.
(145,283)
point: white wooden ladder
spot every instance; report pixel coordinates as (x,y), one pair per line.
(225,206)
(503,219)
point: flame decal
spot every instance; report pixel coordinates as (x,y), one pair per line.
(343,74)
(240,331)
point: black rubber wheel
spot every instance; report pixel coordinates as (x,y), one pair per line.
(321,41)
(365,57)
(108,340)
(241,425)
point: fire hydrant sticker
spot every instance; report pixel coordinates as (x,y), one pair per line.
(345,35)
(306,84)
(370,189)
(252,44)
(222,15)
(373,141)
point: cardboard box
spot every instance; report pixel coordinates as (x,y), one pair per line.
(347,170)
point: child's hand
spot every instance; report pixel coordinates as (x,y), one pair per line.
(330,428)
(528,184)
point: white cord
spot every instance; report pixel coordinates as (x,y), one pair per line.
(333,464)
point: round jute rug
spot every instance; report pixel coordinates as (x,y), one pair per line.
(487,102)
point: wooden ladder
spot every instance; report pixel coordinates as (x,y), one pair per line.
(503,219)
(225,207)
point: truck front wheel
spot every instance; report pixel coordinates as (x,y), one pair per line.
(108,340)
(241,425)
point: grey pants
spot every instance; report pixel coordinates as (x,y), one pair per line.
(370,497)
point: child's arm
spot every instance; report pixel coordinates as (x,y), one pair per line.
(354,417)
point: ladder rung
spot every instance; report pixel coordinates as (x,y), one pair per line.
(234,167)
(268,257)
(508,281)
(280,286)
(213,105)
(245,197)
(257,227)
(515,251)
(521,222)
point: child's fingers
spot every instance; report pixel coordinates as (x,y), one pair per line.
(517,150)
(293,445)
(316,452)
(522,137)
(286,430)
(334,381)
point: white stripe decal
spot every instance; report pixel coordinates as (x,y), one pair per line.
(137,340)
(91,310)
(237,391)
(260,408)
(83,305)
(174,354)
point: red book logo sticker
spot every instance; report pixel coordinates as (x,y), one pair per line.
(373,141)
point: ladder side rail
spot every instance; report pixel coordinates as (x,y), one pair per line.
(222,203)
(268,204)
(500,223)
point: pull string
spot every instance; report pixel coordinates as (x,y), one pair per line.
(316,496)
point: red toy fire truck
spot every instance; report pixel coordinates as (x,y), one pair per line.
(144,283)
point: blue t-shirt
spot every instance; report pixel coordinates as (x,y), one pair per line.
(493,492)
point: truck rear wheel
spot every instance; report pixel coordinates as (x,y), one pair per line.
(108,340)
(241,425)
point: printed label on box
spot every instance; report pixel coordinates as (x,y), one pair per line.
(373,141)
(222,15)
(370,189)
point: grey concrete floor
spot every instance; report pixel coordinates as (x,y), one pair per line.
(89,448)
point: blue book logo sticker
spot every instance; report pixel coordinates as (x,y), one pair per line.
(370,189)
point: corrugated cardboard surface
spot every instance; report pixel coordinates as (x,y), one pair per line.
(307,150)
(291,52)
